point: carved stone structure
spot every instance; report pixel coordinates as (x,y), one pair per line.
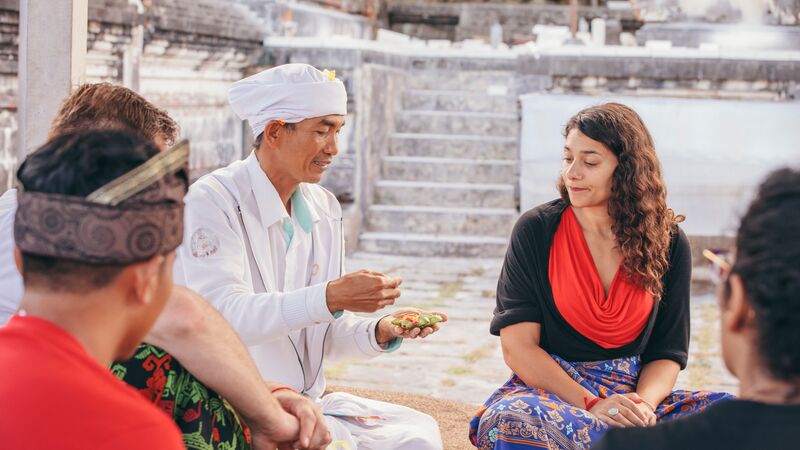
(210,42)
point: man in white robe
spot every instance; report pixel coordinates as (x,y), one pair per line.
(264,245)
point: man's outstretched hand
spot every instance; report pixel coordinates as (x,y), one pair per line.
(386,330)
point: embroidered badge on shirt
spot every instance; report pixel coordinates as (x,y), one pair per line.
(204,243)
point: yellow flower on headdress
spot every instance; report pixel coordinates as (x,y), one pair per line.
(331,74)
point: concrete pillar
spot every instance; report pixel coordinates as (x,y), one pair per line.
(52,60)
(132,55)
(131,59)
(573,17)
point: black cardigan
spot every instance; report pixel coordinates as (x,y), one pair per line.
(524,294)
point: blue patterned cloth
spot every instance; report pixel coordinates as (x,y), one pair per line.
(518,416)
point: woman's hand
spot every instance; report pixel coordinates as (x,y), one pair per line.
(619,411)
(644,407)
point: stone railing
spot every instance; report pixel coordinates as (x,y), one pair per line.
(458,21)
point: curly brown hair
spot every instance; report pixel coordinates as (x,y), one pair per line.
(643,225)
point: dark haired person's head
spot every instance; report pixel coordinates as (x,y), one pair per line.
(104,105)
(75,164)
(760,300)
(610,161)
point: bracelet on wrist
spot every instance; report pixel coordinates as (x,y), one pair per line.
(283,388)
(589,402)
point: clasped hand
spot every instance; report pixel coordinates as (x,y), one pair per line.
(632,411)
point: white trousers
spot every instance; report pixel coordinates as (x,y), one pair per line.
(399,428)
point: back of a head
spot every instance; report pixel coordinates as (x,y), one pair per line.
(768,262)
(104,105)
(77,164)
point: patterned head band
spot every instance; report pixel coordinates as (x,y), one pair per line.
(130,219)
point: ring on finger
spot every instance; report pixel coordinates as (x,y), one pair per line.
(613,411)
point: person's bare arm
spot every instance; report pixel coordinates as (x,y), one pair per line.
(199,337)
(656,381)
(521,351)
(535,367)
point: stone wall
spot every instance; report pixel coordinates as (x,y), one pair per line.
(192,51)
(676,73)
(291,18)
(378,93)
(458,21)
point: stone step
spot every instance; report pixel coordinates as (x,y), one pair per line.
(418,168)
(426,193)
(459,80)
(441,220)
(453,146)
(432,244)
(463,101)
(448,122)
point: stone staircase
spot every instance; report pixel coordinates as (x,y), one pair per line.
(448,183)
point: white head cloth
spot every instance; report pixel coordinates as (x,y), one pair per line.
(291,93)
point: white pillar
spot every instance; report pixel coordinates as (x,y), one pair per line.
(132,55)
(52,60)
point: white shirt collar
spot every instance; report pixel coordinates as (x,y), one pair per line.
(270,207)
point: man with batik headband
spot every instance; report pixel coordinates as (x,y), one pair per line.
(98,218)
(264,245)
(192,357)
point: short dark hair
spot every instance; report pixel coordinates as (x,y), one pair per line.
(260,137)
(768,262)
(77,164)
(257,142)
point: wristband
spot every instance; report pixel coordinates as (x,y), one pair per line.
(283,388)
(590,403)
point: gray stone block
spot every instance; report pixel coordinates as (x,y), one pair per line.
(475,80)
(464,101)
(448,170)
(422,193)
(432,245)
(481,124)
(453,146)
(340,178)
(441,219)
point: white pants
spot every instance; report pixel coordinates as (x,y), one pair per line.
(399,428)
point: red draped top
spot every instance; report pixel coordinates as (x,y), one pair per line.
(610,321)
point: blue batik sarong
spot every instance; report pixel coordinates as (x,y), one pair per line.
(518,416)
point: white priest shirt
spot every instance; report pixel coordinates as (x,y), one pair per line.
(271,289)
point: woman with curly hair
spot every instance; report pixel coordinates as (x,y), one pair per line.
(593,299)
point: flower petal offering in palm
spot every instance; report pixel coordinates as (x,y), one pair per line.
(416,320)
